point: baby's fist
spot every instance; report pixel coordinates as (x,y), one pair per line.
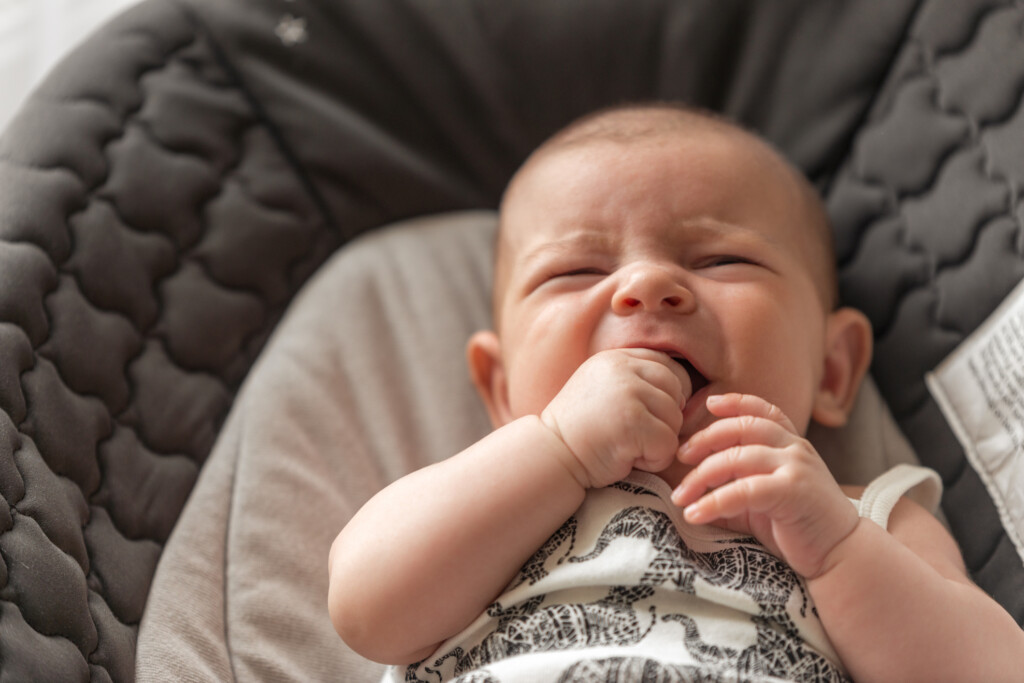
(621,409)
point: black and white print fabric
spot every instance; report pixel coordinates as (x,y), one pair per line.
(626,590)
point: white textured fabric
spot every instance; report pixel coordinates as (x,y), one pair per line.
(626,587)
(920,484)
(363,381)
(978,388)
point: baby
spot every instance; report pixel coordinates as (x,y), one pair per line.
(647,508)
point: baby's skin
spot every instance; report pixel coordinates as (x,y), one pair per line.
(665,301)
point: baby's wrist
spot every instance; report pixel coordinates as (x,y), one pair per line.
(561,452)
(846,548)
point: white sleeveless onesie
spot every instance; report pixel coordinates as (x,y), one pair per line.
(627,590)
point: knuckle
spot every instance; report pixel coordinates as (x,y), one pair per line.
(789,477)
(747,424)
(801,452)
(733,455)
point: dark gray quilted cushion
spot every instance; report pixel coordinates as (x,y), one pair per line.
(928,220)
(151,232)
(177,179)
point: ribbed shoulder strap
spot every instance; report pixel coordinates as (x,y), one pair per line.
(920,484)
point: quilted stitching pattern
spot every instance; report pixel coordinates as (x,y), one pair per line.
(145,256)
(138,243)
(928,217)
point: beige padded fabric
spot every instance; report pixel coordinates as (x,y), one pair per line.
(363,381)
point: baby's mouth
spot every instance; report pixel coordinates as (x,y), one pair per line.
(697,380)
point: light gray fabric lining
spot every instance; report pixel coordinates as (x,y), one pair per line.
(363,381)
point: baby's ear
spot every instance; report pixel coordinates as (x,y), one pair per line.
(483,353)
(848,343)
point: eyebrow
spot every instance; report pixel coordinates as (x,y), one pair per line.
(705,225)
(582,238)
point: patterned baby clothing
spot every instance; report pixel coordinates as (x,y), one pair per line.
(627,590)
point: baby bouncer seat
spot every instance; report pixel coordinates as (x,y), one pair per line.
(215,343)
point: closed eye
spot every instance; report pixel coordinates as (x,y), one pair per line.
(727,260)
(581,271)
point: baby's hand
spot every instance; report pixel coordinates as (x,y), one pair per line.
(621,409)
(766,480)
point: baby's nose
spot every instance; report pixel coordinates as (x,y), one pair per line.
(652,288)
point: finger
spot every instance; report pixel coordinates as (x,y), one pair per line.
(676,370)
(725,466)
(620,368)
(756,495)
(656,431)
(685,384)
(734,405)
(663,379)
(731,432)
(658,448)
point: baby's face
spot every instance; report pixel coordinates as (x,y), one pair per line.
(695,247)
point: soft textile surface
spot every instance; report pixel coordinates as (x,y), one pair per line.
(363,381)
(927,215)
(171,185)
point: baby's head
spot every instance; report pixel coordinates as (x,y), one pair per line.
(672,229)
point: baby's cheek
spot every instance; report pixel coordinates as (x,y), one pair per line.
(534,384)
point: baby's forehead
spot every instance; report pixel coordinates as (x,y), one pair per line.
(655,133)
(606,146)
(595,166)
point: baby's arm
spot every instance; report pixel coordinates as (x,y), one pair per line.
(428,553)
(897,604)
(425,556)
